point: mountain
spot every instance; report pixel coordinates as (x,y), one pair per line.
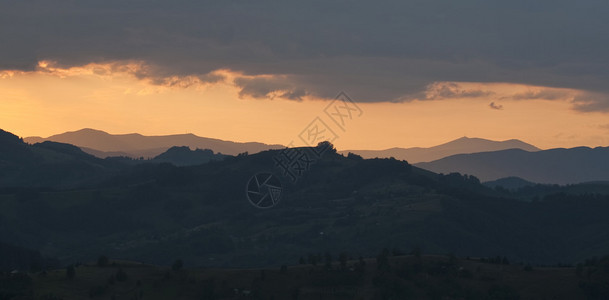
(48,164)
(157,213)
(510,183)
(19,258)
(458,146)
(554,166)
(183,156)
(102,144)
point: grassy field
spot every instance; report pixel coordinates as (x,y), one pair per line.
(402,277)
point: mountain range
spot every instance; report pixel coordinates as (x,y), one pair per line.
(103,144)
(553,166)
(73,206)
(486,159)
(458,146)
(49,164)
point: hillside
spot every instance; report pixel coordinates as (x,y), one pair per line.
(458,146)
(200,213)
(183,156)
(135,145)
(554,166)
(385,277)
(155,213)
(510,183)
(49,164)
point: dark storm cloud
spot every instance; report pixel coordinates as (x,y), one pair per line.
(378,51)
(447,90)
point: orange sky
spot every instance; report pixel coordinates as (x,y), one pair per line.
(53,100)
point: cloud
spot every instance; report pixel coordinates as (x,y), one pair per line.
(139,70)
(377,52)
(583,101)
(544,94)
(591,102)
(268,87)
(496,106)
(448,90)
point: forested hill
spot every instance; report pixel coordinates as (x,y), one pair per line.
(159,212)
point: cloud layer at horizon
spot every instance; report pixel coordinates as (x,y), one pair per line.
(391,52)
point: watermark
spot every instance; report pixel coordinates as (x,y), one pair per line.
(342,109)
(263,190)
(318,136)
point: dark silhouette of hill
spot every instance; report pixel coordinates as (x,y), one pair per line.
(48,164)
(458,146)
(23,259)
(135,145)
(136,155)
(183,156)
(510,183)
(554,166)
(157,213)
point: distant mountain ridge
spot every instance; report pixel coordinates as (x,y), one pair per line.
(183,156)
(103,144)
(553,166)
(462,145)
(510,183)
(155,212)
(48,164)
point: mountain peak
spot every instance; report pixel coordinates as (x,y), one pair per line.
(87,131)
(462,145)
(7,137)
(486,143)
(98,142)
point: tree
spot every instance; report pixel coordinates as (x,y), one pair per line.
(121,275)
(361,265)
(354,156)
(382,260)
(342,258)
(416,252)
(102,261)
(70,272)
(312,259)
(328,260)
(326,146)
(177,265)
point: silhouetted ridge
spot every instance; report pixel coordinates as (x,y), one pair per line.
(510,183)
(459,146)
(65,149)
(18,258)
(9,138)
(135,145)
(48,164)
(183,156)
(559,166)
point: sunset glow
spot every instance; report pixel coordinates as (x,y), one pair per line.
(111,97)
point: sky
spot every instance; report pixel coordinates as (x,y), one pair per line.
(420,73)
